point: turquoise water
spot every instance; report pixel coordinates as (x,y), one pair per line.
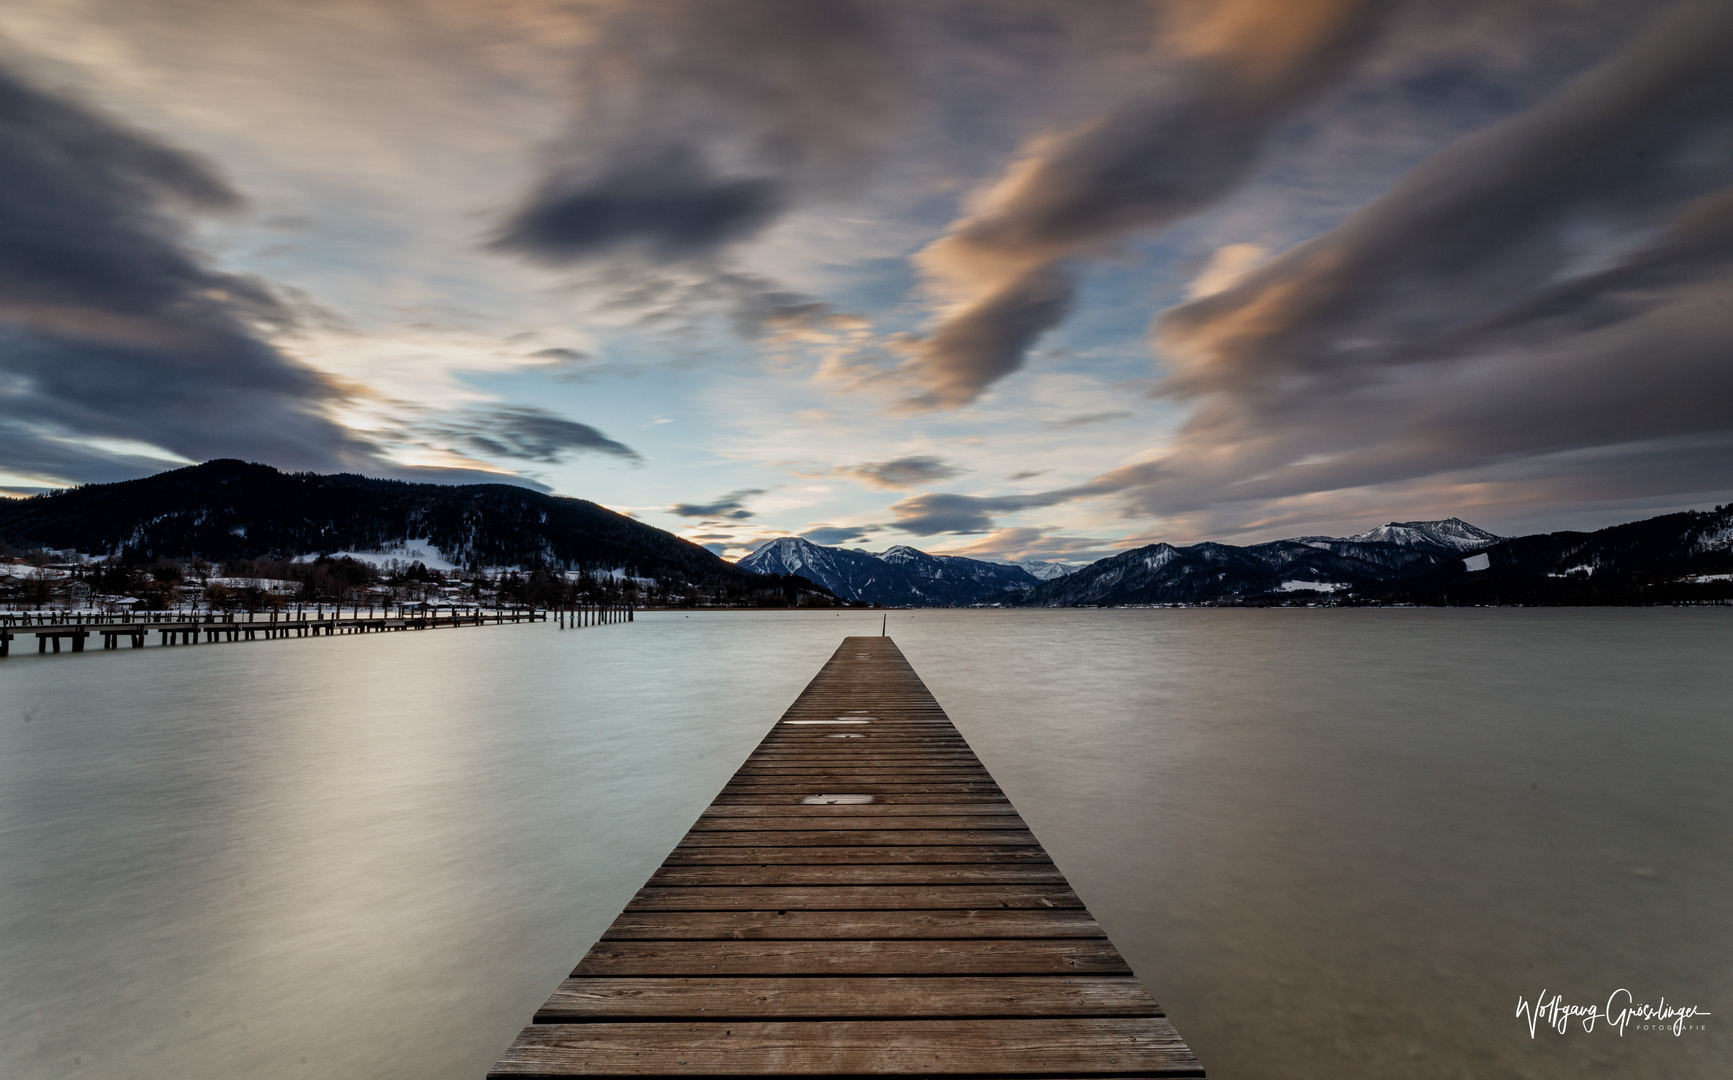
(1332,843)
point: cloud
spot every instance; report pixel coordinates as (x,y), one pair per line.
(901,473)
(666,203)
(567,365)
(113,330)
(1185,140)
(529,434)
(1548,290)
(1227,265)
(698,124)
(1087,419)
(831,535)
(731,506)
(942,512)
(1025,544)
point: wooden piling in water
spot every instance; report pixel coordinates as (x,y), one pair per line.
(860,899)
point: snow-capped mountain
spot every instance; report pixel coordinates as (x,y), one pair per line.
(902,575)
(1159,574)
(1679,557)
(1209,572)
(1452,533)
(1044,571)
(1674,558)
(954,573)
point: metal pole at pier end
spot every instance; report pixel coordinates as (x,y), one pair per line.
(883,622)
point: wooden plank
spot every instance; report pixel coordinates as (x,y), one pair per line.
(831,997)
(914,770)
(853,897)
(1013,956)
(838,925)
(792,797)
(1083,1046)
(731,810)
(852,837)
(813,787)
(843,779)
(793,856)
(858,823)
(924,875)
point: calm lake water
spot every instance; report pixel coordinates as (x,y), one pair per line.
(1332,843)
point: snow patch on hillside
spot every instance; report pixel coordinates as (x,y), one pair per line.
(419,550)
(1312,586)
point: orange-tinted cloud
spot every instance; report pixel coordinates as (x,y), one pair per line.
(1230,72)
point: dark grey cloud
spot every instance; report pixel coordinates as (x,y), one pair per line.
(904,472)
(1547,291)
(1181,143)
(831,535)
(529,434)
(942,512)
(564,355)
(113,328)
(731,506)
(699,123)
(668,205)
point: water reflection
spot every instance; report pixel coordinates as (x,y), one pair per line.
(1333,843)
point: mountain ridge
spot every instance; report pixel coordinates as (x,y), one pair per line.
(227,509)
(900,575)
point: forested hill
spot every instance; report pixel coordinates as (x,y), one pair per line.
(234,510)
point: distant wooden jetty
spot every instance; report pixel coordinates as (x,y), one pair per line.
(861,899)
(51,629)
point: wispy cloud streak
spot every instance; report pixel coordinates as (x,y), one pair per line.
(1231,72)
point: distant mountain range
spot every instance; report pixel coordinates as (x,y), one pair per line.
(1158,574)
(1212,573)
(900,576)
(1675,558)
(1679,557)
(233,510)
(225,510)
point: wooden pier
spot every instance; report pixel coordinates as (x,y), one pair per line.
(51,630)
(861,899)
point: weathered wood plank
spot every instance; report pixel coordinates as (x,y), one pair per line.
(839,925)
(856,837)
(1000,956)
(839,823)
(794,897)
(856,784)
(808,826)
(1091,1046)
(830,997)
(793,856)
(868,810)
(923,875)
(792,797)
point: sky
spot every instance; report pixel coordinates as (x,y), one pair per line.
(1015,279)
